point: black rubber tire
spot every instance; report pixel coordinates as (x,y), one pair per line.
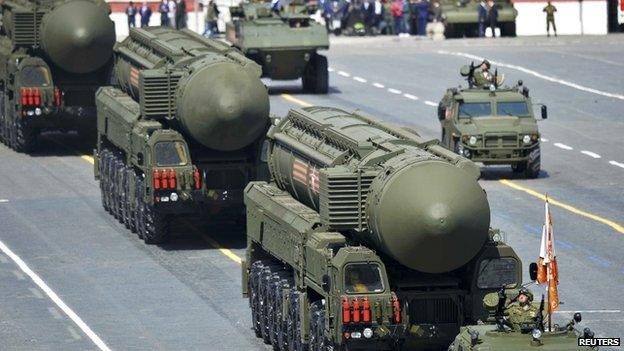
(139,215)
(508,29)
(24,137)
(316,76)
(316,326)
(294,324)
(533,166)
(126,197)
(518,167)
(2,119)
(116,180)
(254,278)
(131,210)
(156,226)
(102,159)
(282,332)
(268,278)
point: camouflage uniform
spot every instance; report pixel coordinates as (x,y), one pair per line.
(482,78)
(518,315)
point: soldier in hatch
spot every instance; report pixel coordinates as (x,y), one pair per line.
(482,77)
(521,314)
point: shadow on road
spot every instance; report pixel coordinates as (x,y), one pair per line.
(505,172)
(63,144)
(198,233)
(296,90)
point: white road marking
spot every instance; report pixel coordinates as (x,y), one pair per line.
(55,313)
(563,146)
(537,74)
(617,164)
(431,103)
(394,91)
(360,79)
(330,69)
(410,96)
(4,200)
(378,85)
(54,297)
(36,293)
(590,154)
(591,311)
(543,140)
(344,74)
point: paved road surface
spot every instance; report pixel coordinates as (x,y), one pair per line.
(186,295)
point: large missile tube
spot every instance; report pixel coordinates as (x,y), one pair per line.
(77,35)
(207,88)
(409,198)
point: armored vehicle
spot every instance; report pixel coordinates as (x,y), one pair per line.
(283,41)
(182,132)
(369,237)
(461,17)
(498,333)
(491,124)
(53,57)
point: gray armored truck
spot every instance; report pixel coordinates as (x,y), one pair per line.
(181,133)
(53,57)
(369,237)
(283,41)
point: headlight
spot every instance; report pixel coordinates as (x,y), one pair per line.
(356,335)
(472,140)
(466,153)
(368,333)
(526,139)
(268,58)
(536,333)
(30,112)
(174,197)
(38,111)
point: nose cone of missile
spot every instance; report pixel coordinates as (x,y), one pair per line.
(431,217)
(78,36)
(224,107)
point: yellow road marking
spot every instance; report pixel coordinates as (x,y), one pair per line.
(296,100)
(227,252)
(88,158)
(618,227)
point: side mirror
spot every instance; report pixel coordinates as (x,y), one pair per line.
(441,112)
(326,283)
(577,317)
(533,271)
(544,112)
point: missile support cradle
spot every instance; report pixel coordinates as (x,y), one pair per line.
(368,237)
(181,134)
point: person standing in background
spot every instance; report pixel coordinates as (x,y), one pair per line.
(483,13)
(163,8)
(388,17)
(171,15)
(550,18)
(493,16)
(146,14)
(131,12)
(378,15)
(180,14)
(212,16)
(422,11)
(397,16)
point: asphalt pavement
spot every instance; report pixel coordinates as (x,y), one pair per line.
(185,295)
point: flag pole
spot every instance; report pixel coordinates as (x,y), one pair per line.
(548,276)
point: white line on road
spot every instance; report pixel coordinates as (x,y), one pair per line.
(378,85)
(431,103)
(590,154)
(54,297)
(617,164)
(4,200)
(536,74)
(543,140)
(591,311)
(563,146)
(360,79)
(410,96)
(394,91)
(344,74)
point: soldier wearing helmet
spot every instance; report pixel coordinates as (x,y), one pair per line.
(482,76)
(522,314)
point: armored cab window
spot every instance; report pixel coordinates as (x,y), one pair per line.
(519,108)
(496,272)
(35,76)
(170,153)
(363,278)
(474,109)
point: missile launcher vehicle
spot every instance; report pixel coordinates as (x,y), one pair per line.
(461,18)
(284,42)
(368,237)
(492,124)
(181,133)
(53,57)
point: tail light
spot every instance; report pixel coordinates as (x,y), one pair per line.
(57,97)
(37,96)
(346,310)
(396,307)
(156,177)
(24,97)
(356,310)
(31,97)
(197,178)
(172,179)
(164,180)
(366,311)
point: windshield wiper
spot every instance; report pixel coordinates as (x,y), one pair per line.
(508,113)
